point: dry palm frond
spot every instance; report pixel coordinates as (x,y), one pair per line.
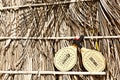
(91,18)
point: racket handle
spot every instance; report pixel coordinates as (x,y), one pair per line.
(78,41)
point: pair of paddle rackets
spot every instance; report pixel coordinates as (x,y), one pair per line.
(66,58)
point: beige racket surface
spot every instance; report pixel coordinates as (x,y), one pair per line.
(93,60)
(65,58)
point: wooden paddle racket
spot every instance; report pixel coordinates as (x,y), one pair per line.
(66,58)
(93,61)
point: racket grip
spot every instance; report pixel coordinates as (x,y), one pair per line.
(78,41)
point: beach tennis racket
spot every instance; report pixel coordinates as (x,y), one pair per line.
(93,61)
(66,58)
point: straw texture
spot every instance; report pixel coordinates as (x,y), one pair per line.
(89,18)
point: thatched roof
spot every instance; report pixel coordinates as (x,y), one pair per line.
(35,18)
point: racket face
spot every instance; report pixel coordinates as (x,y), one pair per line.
(93,61)
(65,58)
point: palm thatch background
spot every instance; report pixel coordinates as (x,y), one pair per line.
(91,18)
